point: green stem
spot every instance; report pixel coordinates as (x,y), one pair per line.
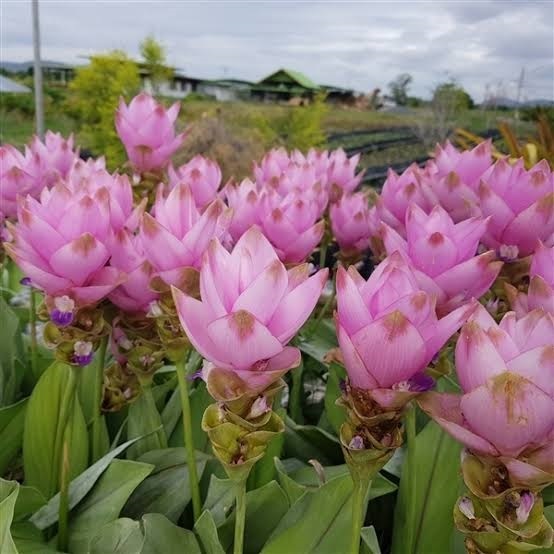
(97,417)
(65,463)
(240,516)
(146,387)
(33,325)
(296,394)
(188,437)
(358,499)
(411,446)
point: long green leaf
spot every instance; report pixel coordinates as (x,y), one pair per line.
(206,531)
(8,495)
(427,518)
(122,536)
(105,501)
(12,420)
(44,428)
(10,339)
(78,488)
(163,537)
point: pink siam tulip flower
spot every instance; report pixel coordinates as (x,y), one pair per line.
(398,192)
(506,372)
(541,286)
(127,255)
(202,175)
(290,224)
(175,239)
(388,331)
(147,131)
(244,199)
(521,205)
(468,165)
(341,173)
(251,308)
(82,169)
(56,155)
(19,175)
(270,169)
(351,222)
(444,252)
(61,242)
(318,159)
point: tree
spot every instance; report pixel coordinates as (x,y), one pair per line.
(94,97)
(154,58)
(399,88)
(454,95)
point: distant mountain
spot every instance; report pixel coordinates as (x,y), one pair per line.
(505,102)
(23,67)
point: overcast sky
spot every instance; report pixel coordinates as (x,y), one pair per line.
(352,44)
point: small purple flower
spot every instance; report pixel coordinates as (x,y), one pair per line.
(259,407)
(357,443)
(465,505)
(527,501)
(26,282)
(508,252)
(418,383)
(62,314)
(82,353)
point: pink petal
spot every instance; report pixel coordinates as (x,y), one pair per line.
(295,308)
(302,247)
(536,365)
(540,295)
(351,309)
(535,329)
(445,410)
(392,349)
(242,339)
(100,285)
(392,240)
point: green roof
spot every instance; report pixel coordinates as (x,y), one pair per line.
(296,76)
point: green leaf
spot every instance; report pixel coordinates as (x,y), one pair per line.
(316,341)
(336,415)
(548,495)
(428,490)
(8,496)
(292,489)
(549,514)
(163,537)
(307,441)
(144,421)
(12,419)
(104,503)
(10,353)
(78,488)
(220,498)
(318,522)
(369,541)
(264,509)
(28,502)
(44,429)
(167,489)
(122,536)
(29,540)
(206,532)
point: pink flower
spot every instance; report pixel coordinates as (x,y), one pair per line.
(19,175)
(506,372)
(398,192)
(56,156)
(541,286)
(61,242)
(244,199)
(351,222)
(202,175)
(444,252)
(290,224)
(127,255)
(177,236)
(270,169)
(147,131)
(251,308)
(388,331)
(520,203)
(318,159)
(341,172)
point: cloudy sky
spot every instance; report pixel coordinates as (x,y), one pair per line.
(362,45)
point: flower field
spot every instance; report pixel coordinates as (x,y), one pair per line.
(287,363)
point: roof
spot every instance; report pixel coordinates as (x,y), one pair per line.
(7,85)
(295,76)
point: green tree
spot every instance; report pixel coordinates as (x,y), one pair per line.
(399,88)
(454,95)
(154,61)
(94,97)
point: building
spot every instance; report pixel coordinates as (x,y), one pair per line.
(11,87)
(178,85)
(52,72)
(283,85)
(226,90)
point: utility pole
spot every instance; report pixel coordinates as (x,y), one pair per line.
(37,72)
(519,89)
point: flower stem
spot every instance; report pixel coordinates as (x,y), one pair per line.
(240,515)
(65,462)
(411,447)
(33,333)
(296,394)
(97,417)
(360,490)
(188,436)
